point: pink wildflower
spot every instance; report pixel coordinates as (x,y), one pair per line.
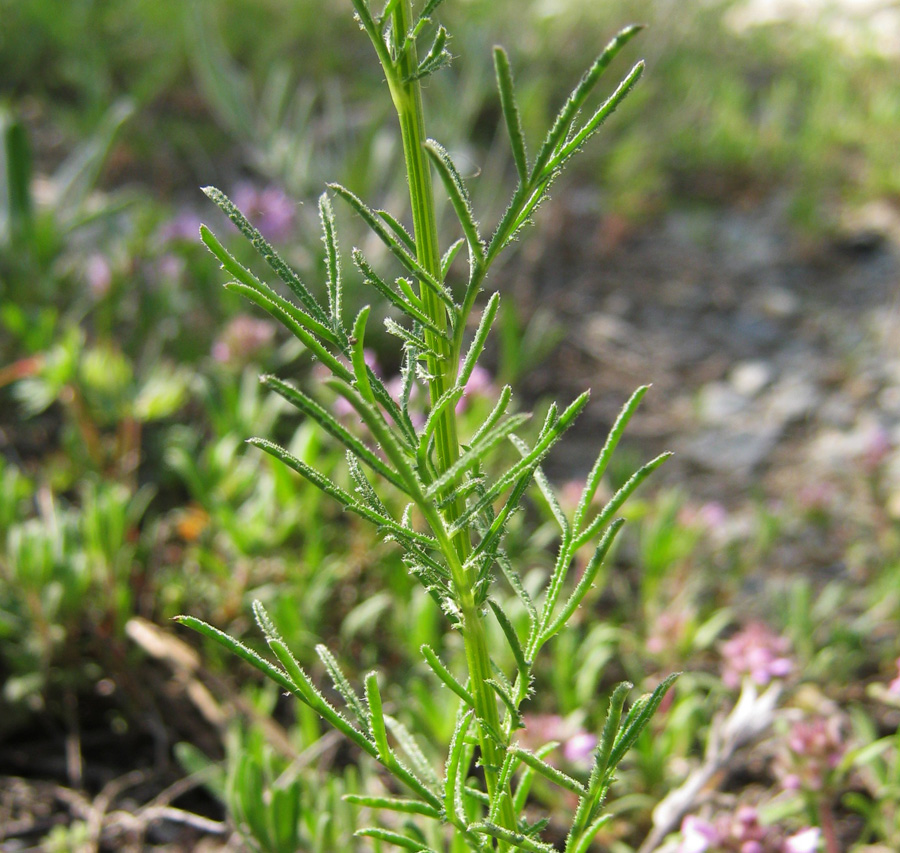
(812,750)
(479,385)
(183,227)
(578,748)
(894,686)
(697,835)
(242,338)
(755,652)
(98,273)
(269,209)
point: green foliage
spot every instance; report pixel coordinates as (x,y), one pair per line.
(452,533)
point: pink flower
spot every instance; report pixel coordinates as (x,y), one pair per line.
(98,273)
(755,652)
(479,385)
(697,835)
(184,227)
(578,748)
(894,686)
(269,209)
(812,750)
(242,338)
(805,841)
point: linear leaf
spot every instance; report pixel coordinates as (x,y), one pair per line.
(403,534)
(402,234)
(637,719)
(476,453)
(437,57)
(396,838)
(268,254)
(397,249)
(576,99)
(238,648)
(332,260)
(619,498)
(517,839)
(444,674)
(513,640)
(548,771)
(394,804)
(412,750)
(358,355)
(376,719)
(593,124)
(612,440)
(332,426)
(304,689)
(582,587)
(410,339)
(520,797)
(496,413)
(409,307)
(450,256)
(509,702)
(459,196)
(343,686)
(550,435)
(452,777)
(477,346)
(511,111)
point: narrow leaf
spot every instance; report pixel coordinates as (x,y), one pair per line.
(402,234)
(593,124)
(358,356)
(412,750)
(612,440)
(410,307)
(511,112)
(445,675)
(376,719)
(268,254)
(619,498)
(481,333)
(459,196)
(343,686)
(548,771)
(396,248)
(513,639)
(239,649)
(576,99)
(517,839)
(394,804)
(551,435)
(635,723)
(332,426)
(452,776)
(476,453)
(332,260)
(393,838)
(583,586)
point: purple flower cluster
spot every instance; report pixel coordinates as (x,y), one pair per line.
(755,652)
(742,832)
(242,339)
(813,748)
(269,209)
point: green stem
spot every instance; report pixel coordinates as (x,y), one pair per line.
(443,369)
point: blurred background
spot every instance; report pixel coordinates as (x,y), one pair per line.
(733,237)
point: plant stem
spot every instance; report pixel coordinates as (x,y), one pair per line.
(443,367)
